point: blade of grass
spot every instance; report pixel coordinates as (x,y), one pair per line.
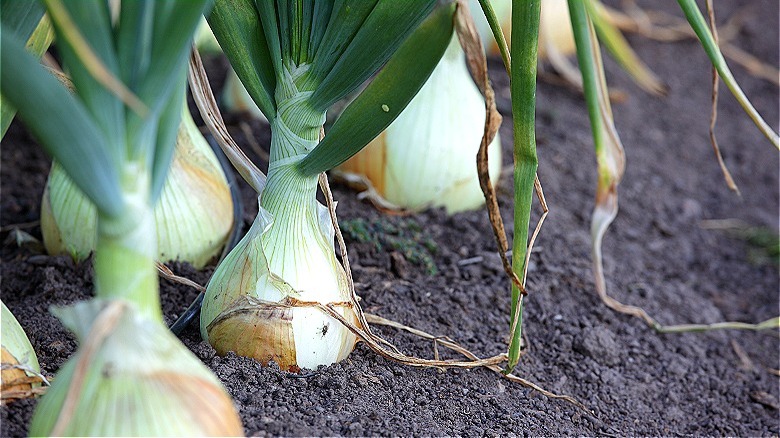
(699,25)
(525,40)
(386,96)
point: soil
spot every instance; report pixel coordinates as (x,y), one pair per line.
(659,254)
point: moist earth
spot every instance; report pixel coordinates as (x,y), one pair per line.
(667,252)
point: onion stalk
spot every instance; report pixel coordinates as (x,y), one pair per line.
(426,157)
(193,217)
(114,137)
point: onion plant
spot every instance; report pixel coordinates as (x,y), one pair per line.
(114,137)
(296,59)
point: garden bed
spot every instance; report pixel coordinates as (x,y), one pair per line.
(440,274)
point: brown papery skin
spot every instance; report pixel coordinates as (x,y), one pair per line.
(264,333)
(14,380)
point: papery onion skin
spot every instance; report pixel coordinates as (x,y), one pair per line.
(248,309)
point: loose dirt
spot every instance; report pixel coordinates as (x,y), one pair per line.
(658,254)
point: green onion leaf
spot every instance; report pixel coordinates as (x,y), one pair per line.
(618,47)
(387,95)
(339,27)
(238,30)
(161,57)
(20,17)
(37,43)
(134,40)
(91,21)
(382,32)
(167,131)
(78,144)
(525,40)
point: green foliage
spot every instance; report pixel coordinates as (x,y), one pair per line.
(20,17)
(525,37)
(386,96)
(61,123)
(328,49)
(378,37)
(236,25)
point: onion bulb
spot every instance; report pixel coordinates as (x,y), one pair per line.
(193,216)
(427,156)
(20,370)
(131,377)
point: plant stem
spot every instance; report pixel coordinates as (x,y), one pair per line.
(290,196)
(525,38)
(127,247)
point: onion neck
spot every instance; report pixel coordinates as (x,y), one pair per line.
(290,196)
(127,246)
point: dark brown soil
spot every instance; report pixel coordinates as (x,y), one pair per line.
(657,255)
